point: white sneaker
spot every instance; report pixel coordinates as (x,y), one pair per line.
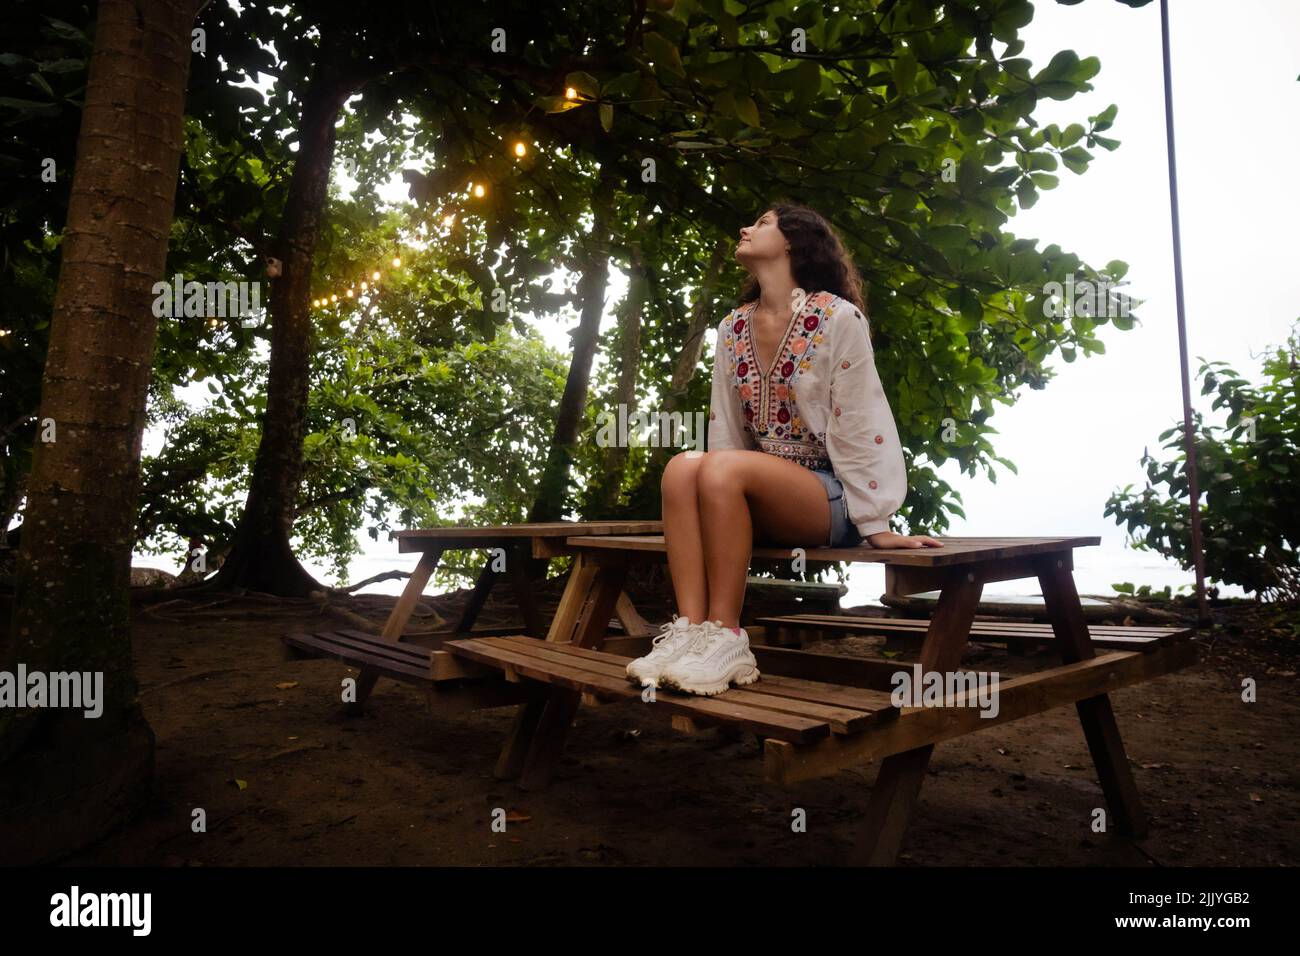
(671,643)
(715,658)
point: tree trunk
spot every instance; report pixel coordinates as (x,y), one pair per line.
(553,490)
(261,557)
(68,778)
(604,497)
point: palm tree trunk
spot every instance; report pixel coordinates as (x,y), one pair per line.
(68,778)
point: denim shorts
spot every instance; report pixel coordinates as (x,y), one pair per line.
(843,533)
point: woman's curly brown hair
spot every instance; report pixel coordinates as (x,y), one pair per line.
(818,258)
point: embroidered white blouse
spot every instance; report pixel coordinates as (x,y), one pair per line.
(841,420)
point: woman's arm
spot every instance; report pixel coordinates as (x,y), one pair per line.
(861,436)
(726,421)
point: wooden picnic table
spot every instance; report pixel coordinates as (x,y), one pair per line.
(821,713)
(520,542)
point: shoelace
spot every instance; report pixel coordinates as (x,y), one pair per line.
(665,631)
(704,638)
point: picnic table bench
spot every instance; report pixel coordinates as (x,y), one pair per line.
(1016,635)
(820,713)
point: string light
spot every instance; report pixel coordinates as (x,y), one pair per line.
(479,190)
(370,286)
(449,220)
(570,93)
(520,149)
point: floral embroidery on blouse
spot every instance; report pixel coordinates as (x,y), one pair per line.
(769,400)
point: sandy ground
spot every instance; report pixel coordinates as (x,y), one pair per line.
(261,743)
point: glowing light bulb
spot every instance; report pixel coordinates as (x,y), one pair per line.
(315,303)
(570,93)
(448,220)
(334,298)
(348,293)
(375,275)
(479,190)
(520,149)
(364,286)
(397,262)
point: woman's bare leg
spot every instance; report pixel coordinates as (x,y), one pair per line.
(748,494)
(681,517)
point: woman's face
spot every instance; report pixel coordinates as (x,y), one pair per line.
(761,241)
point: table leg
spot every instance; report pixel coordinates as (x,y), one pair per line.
(898,783)
(576,594)
(483,584)
(398,618)
(522,585)
(1065,611)
(634,625)
(561,705)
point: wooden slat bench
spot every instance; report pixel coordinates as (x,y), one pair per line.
(797,628)
(902,743)
(452,685)
(798,711)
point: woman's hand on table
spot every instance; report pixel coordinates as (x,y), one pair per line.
(889,539)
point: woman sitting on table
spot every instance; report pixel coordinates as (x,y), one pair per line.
(803,449)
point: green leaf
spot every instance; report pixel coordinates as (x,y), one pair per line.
(30,107)
(1076,159)
(606,116)
(904,73)
(747,110)
(663,53)
(1105,119)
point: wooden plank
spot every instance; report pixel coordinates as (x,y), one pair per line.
(1164,633)
(956,551)
(1018,698)
(833,694)
(371,643)
(363,658)
(764,694)
(483,536)
(826,668)
(573,679)
(980,631)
